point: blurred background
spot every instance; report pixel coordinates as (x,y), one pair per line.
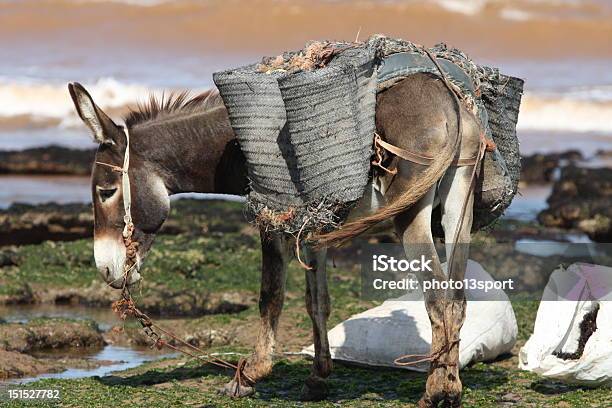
(124,50)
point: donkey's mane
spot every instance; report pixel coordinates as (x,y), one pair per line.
(174,103)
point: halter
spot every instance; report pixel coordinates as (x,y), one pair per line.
(128,227)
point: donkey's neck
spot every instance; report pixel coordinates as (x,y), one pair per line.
(196,152)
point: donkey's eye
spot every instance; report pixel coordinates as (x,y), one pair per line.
(105,193)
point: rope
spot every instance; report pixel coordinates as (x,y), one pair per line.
(380,145)
(126,307)
(297,246)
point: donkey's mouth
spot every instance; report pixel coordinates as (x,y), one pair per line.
(119,283)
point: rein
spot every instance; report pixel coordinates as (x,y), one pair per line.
(126,307)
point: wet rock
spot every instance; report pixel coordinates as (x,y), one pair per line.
(162,301)
(509,230)
(539,168)
(511,397)
(603,153)
(52,160)
(23,295)
(98,294)
(23,346)
(8,257)
(183,329)
(45,334)
(22,224)
(581,199)
(15,364)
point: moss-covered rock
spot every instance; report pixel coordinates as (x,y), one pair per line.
(581,199)
(45,334)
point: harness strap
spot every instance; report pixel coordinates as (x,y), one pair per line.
(125,185)
(417,158)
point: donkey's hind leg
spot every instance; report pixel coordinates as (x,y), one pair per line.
(318,307)
(276,251)
(414,229)
(453,190)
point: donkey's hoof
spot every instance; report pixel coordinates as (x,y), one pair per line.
(445,401)
(453,401)
(232,389)
(314,389)
(426,402)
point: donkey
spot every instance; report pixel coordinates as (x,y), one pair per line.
(187,145)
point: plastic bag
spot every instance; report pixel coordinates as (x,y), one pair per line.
(572,337)
(399,327)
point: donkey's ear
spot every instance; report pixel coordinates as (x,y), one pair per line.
(102,127)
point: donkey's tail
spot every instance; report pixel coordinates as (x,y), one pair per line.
(416,191)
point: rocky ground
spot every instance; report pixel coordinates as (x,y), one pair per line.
(540,168)
(22,224)
(210,266)
(53,160)
(19,344)
(581,199)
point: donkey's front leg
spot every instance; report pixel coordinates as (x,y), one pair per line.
(318,306)
(276,250)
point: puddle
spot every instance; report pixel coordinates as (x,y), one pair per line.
(115,358)
(571,249)
(123,358)
(67,189)
(104,317)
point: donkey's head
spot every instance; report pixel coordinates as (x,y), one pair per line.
(149,196)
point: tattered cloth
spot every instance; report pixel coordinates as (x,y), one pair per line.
(306,120)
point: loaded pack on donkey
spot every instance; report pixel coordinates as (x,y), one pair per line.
(333,125)
(306,123)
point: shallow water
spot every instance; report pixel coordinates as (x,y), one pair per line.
(104,317)
(528,202)
(122,358)
(43,189)
(66,189)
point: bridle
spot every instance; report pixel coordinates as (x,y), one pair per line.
(131,245)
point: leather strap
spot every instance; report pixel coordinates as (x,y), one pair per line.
(420,159)
(125,184)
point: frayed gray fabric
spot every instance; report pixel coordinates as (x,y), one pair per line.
(501,96)
(307,134)
(257,114)
(307,138)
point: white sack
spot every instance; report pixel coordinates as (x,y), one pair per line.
(398,327)
(557,327)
